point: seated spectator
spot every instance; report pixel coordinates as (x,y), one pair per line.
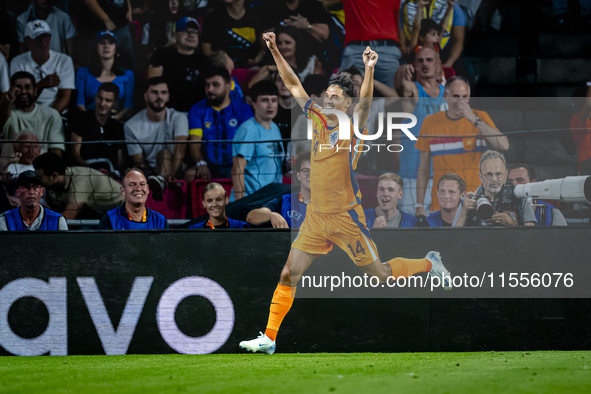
(469,131)
(546,214)
(76,192)
(160,30)
(235,29)
(30,215)
(53,71)
(221,59)
(98,125)
(493,175)
(451,19)
(133,214)
(4,80)
(156,124)
(386,214)
(105,68)
(19,111)
(215,118)
(25,153)
(258,164)
(214,200)
(182,65)
(289,210)
(451,189)
(62,39)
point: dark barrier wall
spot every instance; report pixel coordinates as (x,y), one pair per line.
(203,291)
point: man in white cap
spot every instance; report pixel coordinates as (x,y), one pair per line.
(53,71)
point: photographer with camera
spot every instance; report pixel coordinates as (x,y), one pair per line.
(494,204)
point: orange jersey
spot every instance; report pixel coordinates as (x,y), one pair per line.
(332,179)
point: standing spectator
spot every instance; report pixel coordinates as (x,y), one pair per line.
(182,65)
(424,97)
(446,13)
(62,28)
(288,109)
(19,111)
(30,215)
(461,151)
(133,214)
(26,150)
(372,23)
(546,214)
(53,71)
(258,164)
(4,80)
(234,28)
(147,131)
(114,15)
(288,210)
(105,68)
(215,118)
(160,31)
(214,200)
(98,125)
(386,214)
(451,189)
(76,192)
(221,59)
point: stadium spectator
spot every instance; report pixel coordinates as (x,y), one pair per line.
(4,80)
(160,30)
(114,16)
(446,13)
(147,131)
(221,59)
(256,165)
(288,110)
(235,29)
(182,65)
(98,125)
(386,214)
(105,68)
(30,215)
(546,214)
(7,34)
(25,152)
(372,23)
(215,118)
(214,200)
(19,111)
(423,97)
(288,210)
(451,189)
(429,35)
(460,152)
(493,174)
(133,214)
(53,71)
(76,191)
(63,30)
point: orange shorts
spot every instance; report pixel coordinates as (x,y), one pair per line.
(321,231)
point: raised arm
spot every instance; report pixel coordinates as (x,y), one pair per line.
(370,58)
(289,77)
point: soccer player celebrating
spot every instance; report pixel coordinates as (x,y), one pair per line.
(335,215)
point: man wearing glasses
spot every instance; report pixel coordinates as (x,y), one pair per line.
(493,175)
(31,216)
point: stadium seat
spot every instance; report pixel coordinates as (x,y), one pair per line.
(174,202)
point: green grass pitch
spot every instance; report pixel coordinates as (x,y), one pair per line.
(454,373)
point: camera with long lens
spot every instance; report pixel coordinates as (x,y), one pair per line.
(575,189)
(484,208)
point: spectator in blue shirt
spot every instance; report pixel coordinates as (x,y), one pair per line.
(258,164)
(451,189)
(215,118)
(221,59)
(133,214)
(214,200)
(386,214)
(289,210)
(105,68)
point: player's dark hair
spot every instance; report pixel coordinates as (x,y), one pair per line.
(156,81)
(531,170)
(453,177)
(21,75)
(429,25)
(218,71)
(345,83)
(302,158)
(315,84)
(263,88)
(110,87)
(50,162)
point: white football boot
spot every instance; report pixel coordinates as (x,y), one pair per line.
(438,269)
(262,344)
